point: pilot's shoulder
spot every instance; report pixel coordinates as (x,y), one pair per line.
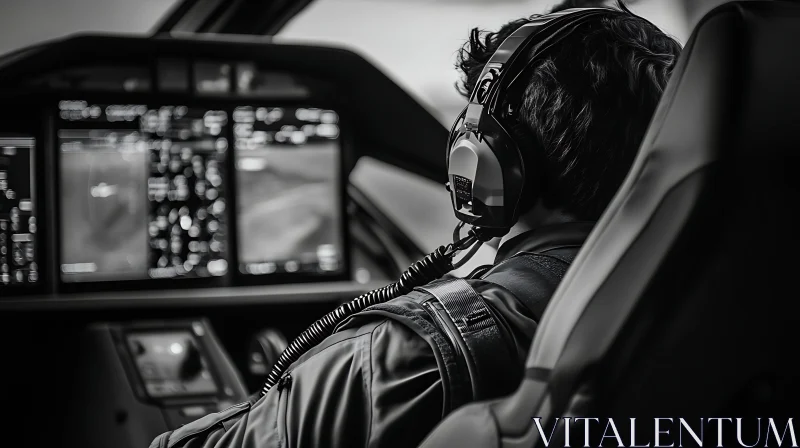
(523,284)
(405,309)
(403,320)
(533,267)
(345,339)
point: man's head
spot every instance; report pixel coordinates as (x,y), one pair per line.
(587,103)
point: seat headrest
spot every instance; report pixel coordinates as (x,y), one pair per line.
(706,211)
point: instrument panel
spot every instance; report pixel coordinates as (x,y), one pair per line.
(288,171)
(144,191)
(141,192)
(174,173)
(149,171)
(18,217)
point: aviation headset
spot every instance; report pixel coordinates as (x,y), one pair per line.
(489,168)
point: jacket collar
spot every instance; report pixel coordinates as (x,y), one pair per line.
(553,236)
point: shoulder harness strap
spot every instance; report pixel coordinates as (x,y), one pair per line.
(478,332)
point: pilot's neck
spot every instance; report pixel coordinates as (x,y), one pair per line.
(536,217)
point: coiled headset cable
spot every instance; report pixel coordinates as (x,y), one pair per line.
(432,267)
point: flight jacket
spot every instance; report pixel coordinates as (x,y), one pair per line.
(376,382)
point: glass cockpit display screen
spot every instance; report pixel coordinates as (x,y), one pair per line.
(288,163)
(171,364)
(18,226)
(142,191)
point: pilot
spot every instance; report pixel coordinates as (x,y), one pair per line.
(375,382)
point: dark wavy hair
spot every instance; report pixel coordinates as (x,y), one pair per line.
(588,102)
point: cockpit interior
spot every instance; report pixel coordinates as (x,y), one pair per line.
(177,206)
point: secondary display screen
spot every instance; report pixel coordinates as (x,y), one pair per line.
(18,226)
(288,163)
(142,191)
(171,364)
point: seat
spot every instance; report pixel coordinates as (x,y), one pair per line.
(681,303)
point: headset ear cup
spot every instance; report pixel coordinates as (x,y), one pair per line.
(532,159)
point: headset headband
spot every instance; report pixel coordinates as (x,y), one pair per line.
(537,36)
(494,78)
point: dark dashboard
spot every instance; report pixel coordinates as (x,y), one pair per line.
(173,210)
(132,165)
